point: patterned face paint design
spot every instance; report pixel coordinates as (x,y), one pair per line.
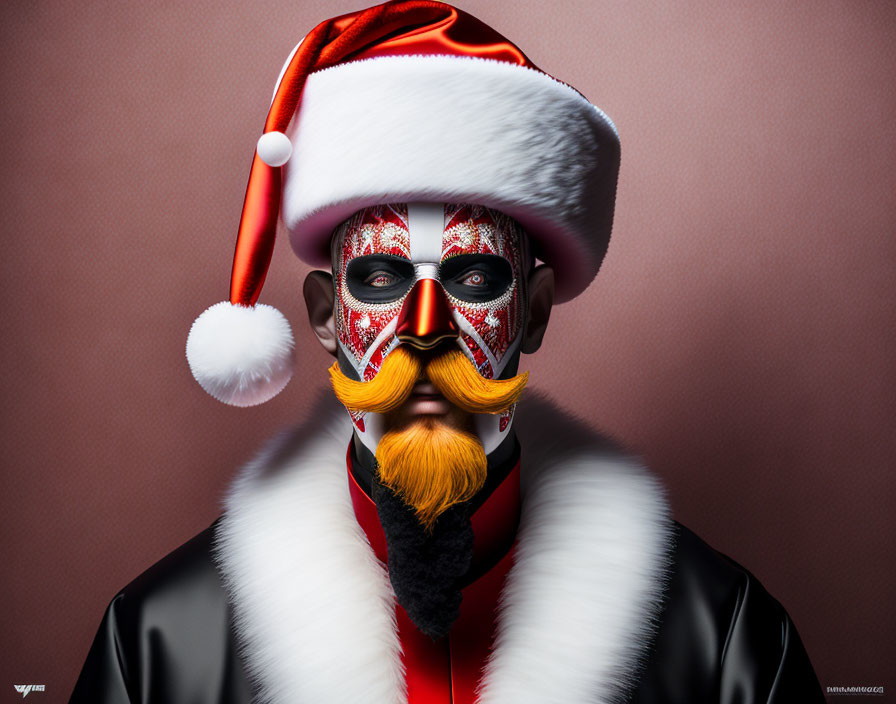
(489,327)
(366,330)
(479,262)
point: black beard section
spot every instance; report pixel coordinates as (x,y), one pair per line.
(426,568)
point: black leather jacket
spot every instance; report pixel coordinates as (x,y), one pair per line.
(167,638)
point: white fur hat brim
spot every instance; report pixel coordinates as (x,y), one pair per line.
(457,130)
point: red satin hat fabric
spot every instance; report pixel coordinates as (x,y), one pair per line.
(401,27)
(459,34)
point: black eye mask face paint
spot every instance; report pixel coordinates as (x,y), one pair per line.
(379,278)
(385,278)
(476,278)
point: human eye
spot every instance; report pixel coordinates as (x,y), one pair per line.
(380,279)
(476,277)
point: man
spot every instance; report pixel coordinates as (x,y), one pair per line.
(437,542)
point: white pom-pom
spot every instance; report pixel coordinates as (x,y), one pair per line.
(274,148)
(241,355)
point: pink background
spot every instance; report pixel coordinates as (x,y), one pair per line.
(740,335)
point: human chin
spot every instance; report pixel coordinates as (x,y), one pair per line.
(432,463)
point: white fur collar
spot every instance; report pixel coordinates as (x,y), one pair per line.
(314,608)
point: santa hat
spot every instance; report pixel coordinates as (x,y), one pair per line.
(408,101)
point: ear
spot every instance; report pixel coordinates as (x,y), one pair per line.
(541,299)
(318,293)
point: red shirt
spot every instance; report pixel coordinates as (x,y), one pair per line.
(447,671)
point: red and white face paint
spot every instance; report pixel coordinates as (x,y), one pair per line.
(476,254)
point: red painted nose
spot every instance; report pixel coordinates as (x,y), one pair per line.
(425,319)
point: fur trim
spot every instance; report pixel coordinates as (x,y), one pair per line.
(306,588)
(583,597)
(580,605)
(457,130)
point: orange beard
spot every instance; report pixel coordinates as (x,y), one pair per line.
(431,462)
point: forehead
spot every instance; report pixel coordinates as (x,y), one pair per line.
(427,232)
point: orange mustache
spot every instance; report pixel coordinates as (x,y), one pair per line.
(452,373)
(429,463)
